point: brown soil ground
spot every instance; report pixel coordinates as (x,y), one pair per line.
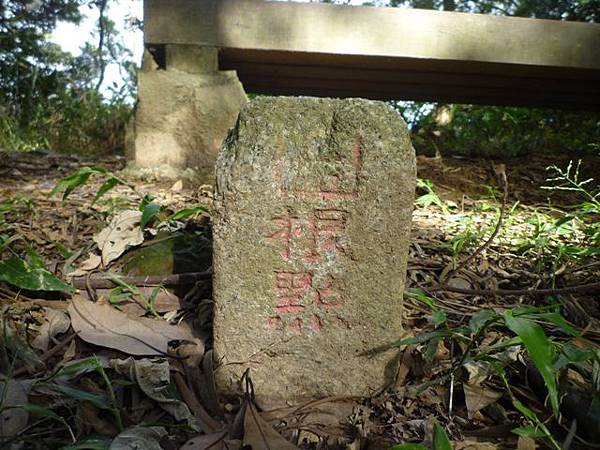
(470,191)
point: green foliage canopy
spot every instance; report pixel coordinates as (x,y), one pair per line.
(49,98)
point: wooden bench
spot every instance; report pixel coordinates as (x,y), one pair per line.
(388,53)
(189,91)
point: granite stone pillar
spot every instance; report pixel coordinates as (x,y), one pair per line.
(313,205)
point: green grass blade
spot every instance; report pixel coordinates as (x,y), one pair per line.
(540,350)
(440,438)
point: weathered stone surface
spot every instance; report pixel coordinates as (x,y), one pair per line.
(184,113)
(192,58)
(311,230)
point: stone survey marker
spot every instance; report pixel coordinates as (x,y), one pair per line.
(311,231)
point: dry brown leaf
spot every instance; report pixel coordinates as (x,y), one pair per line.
(483,265)
(153,378)
(478,372)
(139,437)
(92,262)
(177,186)
(260,435)
(328,417)
(460,282)
(406,362)
(526,443)
(55,322)
(478,397)
(103,325)
(123,232)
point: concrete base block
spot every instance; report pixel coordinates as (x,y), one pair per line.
(182,118)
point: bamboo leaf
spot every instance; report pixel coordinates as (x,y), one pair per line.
(106,186)
(440,439)
(91,443)
(539,349)
(149,212)
(98,400)
(73,181)
(187,212)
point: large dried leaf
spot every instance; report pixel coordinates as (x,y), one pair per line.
(124,231)
(101,324)
(478,397)
(136,438)
(330,416)
(55,322)
(153,378)
(260,435)
(92,262)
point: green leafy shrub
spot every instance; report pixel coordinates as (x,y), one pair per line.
(50,99)
(541,332)
(499,131)
(71,122)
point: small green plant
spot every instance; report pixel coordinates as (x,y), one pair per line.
(467,237)
(527,325)
(569,180)
(81,176)
(63,385)
(151,211)
(430,197)
(440,441)
(587,212)
(557,237)
(125,291)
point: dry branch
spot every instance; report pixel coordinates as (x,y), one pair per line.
(104,282)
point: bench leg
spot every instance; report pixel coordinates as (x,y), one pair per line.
(185,108)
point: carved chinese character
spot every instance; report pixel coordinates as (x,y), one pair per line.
(329,228)
(291,289)
(328,296)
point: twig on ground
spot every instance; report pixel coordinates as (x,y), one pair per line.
(103,282)
(206,422)
(582,288)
